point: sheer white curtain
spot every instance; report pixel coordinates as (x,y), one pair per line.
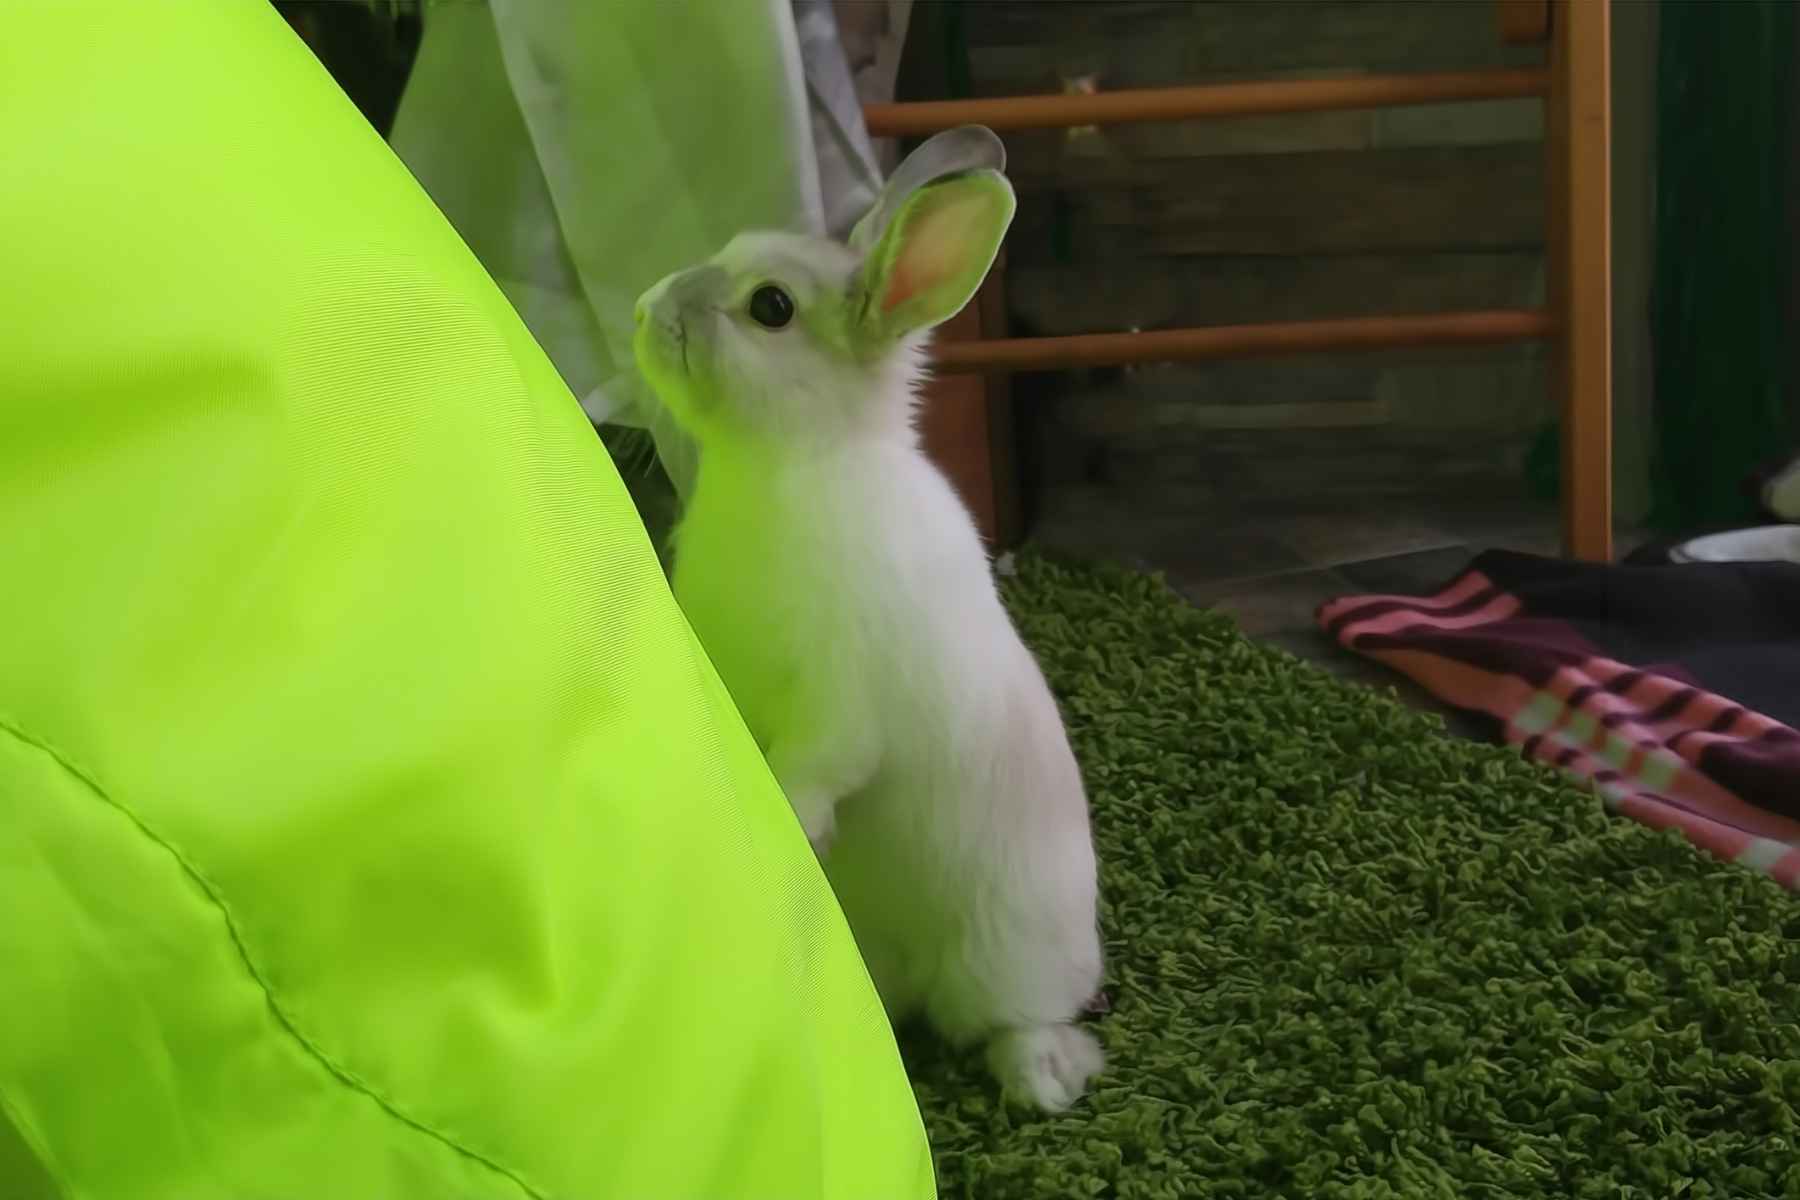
(586,149)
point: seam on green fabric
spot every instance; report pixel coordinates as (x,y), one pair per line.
(33,1144)
(287,1023)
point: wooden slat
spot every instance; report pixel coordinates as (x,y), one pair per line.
(1279,205)
(1578,254)
(1523,22)
(1165,42)
(1003,465)
(1243,341)
(1052,298)
(953,425)
(1211,100)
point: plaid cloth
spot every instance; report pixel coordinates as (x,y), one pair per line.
(1674,689)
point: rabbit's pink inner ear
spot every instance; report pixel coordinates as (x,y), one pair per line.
(936,243)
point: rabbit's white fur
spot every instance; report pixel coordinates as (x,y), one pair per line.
(843,593)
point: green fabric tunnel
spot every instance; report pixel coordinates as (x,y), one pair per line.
(371,823)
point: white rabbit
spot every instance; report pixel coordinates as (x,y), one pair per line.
(842,592)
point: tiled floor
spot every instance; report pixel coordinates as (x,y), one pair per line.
(1270,566)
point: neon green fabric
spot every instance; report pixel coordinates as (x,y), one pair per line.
(370,822)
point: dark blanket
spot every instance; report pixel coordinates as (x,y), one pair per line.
(1675,689)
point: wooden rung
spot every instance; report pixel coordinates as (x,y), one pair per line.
(1523,22)
(1209,100)
(1243,341)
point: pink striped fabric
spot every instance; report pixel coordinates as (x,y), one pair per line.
(1655,745)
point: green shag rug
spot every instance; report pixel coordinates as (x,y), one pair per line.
(1353,957)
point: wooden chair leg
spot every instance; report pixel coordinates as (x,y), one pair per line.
(953,425)
(1578,253)
(965,422)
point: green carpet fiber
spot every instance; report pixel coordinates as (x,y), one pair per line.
(1353,957)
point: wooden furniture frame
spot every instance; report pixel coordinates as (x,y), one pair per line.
(1576,322)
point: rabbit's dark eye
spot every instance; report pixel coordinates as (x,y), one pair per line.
(771,307)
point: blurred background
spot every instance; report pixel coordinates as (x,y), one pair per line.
(1263,487)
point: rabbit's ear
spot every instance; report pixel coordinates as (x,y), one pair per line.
(952,152)
(933,255)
